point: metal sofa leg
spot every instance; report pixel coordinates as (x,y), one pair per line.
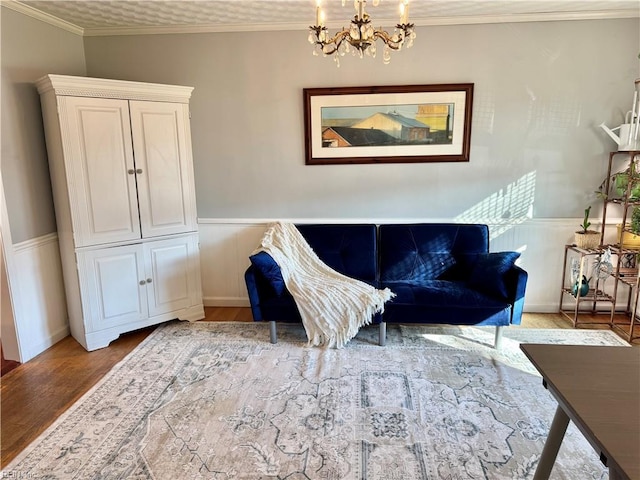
(498,339)
(382,336)
(273,334)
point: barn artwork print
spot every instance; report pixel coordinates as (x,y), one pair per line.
(387,125)
(426,123)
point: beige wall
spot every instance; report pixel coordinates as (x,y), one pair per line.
(29,49)
(541,89)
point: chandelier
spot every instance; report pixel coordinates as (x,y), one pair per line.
(360,38)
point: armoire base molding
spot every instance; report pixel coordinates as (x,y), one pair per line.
(102,339)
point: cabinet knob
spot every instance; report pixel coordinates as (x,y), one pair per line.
(148,280)
(131,171)
(143,282)
(139,170)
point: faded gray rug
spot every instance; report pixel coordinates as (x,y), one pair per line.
(218,401)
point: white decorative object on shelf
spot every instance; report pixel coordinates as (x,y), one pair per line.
(628,134)
(603,265)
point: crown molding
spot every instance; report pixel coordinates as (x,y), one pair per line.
(17,6)
(529,17)
(107,88)
(419,22)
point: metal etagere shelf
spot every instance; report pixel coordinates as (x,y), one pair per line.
(597,300)
(594,298)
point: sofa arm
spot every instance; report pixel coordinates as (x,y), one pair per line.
(254,296)
(518,282)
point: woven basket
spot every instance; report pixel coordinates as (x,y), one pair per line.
(588,240)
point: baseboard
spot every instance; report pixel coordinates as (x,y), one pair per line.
(51,340)
(540,308)
(225,302)
(244,302)
(553,308)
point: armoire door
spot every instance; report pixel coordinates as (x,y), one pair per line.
(164,166)
(170,274)
(113,284)
(100,171)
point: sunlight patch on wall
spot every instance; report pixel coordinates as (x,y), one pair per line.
(556,115)
(484,106)
(502,210)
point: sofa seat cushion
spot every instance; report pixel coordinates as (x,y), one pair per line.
(440,293)
(446,302)
(282,309)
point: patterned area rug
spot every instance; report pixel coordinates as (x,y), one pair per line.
(218,401)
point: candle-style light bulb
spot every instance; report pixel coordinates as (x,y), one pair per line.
(406,11)
(402,12)
(318,12)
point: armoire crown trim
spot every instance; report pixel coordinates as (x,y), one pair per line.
(66,85)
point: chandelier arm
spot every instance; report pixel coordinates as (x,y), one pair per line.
(338,38)
(404,32)
(333,42)
(388,40)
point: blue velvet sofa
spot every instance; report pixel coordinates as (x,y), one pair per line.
(441,273)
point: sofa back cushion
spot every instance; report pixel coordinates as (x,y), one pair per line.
(428,251)
(349,249)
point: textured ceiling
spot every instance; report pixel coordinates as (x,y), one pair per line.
(95,17)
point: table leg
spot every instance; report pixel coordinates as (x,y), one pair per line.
(613,474)
(552,445)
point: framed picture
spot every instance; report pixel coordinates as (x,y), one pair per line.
(392,124)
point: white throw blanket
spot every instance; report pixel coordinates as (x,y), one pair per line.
(333,306)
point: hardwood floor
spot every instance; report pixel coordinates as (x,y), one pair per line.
(37,392)
(34,394)
(7,365)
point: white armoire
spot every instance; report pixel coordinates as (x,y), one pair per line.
(123,186)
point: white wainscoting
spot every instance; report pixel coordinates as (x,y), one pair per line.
(225,245)
(40,302)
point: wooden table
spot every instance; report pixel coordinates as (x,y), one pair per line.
(598,389)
